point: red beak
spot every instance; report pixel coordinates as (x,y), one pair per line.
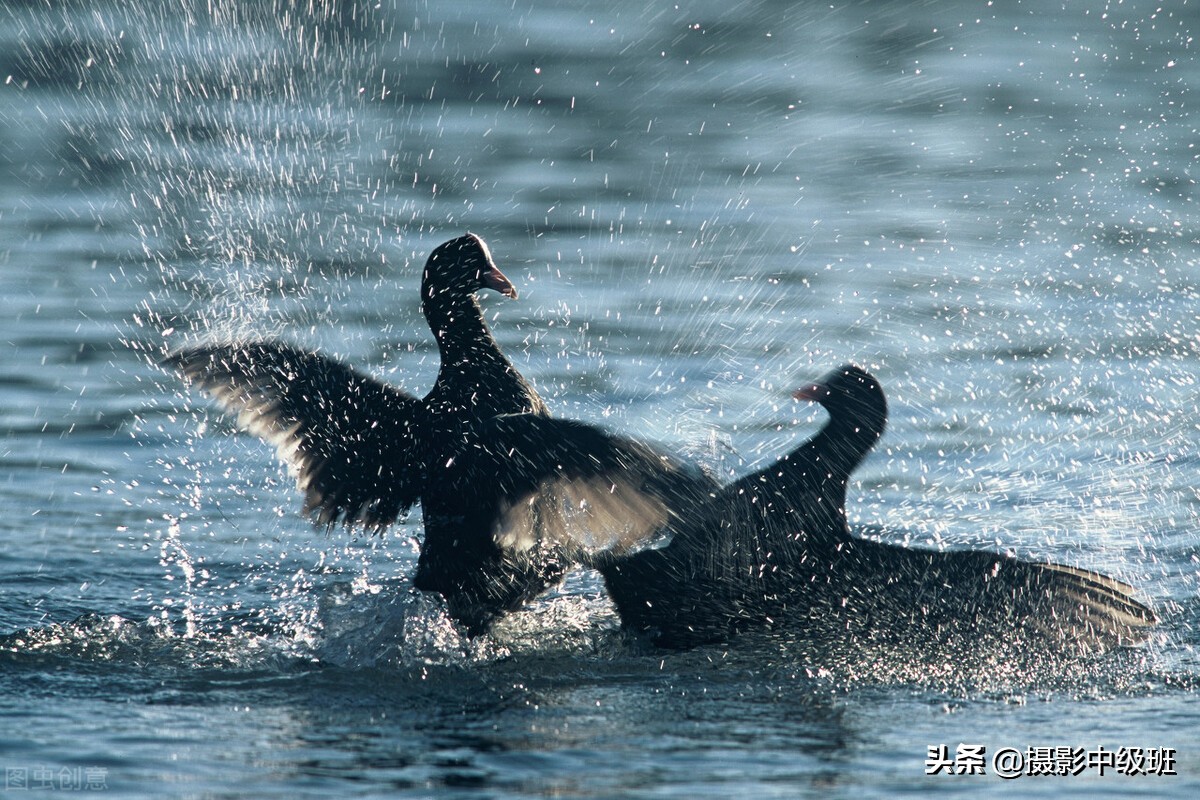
(815,393)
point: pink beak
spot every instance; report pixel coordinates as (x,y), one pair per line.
(494,279)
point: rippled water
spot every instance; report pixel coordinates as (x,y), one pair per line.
(703,204)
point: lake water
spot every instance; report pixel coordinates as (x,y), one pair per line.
(990,205)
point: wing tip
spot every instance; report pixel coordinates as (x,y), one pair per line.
(1106,607)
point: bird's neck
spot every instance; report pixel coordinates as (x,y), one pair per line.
(463,337)
(843,444)
(823,464)
(475,377)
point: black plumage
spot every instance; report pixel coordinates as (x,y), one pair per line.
(773,551)
(364,451)
(530,493)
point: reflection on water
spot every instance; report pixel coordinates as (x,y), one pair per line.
(703,206)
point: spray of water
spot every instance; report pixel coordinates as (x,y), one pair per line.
(283,166)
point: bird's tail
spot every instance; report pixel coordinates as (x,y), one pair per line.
(1091,603)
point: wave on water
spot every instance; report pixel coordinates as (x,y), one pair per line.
(404,638)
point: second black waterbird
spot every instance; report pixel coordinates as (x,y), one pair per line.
(773,550)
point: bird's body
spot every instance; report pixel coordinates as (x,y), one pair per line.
(773,551)
(364,451)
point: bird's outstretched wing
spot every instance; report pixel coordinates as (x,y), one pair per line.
(993,591)
(1089,602)
(350,439)
(528,495)
(575,486)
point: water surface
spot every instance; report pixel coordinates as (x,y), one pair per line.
(704,205)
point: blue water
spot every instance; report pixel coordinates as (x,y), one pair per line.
(992,206)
